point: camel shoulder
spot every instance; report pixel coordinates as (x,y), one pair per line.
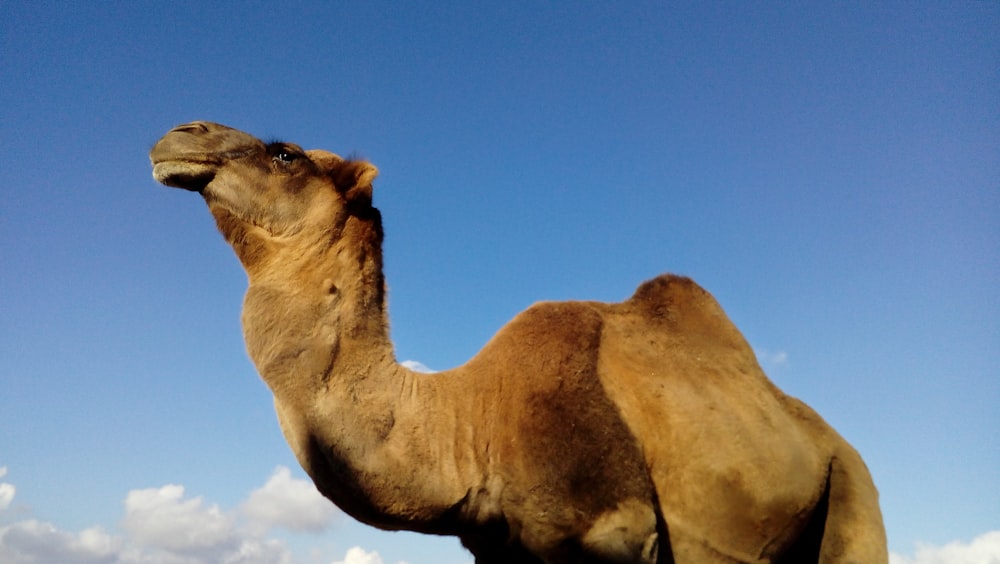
(544,337)
(552,322)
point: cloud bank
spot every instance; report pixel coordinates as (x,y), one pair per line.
(165,526)
(984,549)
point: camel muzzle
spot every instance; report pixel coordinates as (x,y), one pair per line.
(189,155)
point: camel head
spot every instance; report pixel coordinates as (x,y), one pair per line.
(262,193)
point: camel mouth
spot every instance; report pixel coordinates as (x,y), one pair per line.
(188,175)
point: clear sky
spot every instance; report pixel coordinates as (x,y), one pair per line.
(831,173)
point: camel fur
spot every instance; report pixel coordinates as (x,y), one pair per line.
(641,431)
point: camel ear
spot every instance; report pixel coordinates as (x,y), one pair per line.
(354,180)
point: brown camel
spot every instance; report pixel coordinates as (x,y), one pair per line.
(642,431)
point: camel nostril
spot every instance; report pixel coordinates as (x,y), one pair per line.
(193,127)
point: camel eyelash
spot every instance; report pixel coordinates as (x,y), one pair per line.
(274,147)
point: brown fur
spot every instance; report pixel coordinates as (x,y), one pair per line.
(642,431)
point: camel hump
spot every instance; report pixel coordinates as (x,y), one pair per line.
(668,295)
(681,304)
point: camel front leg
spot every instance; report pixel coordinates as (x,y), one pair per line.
(853,531)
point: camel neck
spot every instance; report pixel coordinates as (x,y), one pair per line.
(317,330)
(316,312)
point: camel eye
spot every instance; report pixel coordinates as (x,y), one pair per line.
(285,157)
(283,154)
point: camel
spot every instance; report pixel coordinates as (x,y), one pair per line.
(641,431)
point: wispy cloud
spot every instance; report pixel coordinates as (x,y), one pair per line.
(7,491)
(984,549)
(771,359)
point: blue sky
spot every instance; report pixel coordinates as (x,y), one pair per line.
(831,173)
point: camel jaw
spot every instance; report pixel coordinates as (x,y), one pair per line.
(193,176)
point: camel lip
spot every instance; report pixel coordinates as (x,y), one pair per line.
(188,175)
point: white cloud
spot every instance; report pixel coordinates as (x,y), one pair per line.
(288,502)
(771,359)
(358,555)
(162,518)
(416,366)
(34,541)
(7,491)
(984,549)
(163,526)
